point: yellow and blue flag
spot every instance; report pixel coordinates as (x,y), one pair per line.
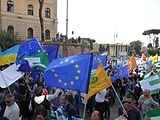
(9,56)
(97,60)
(72,73)
(51,52)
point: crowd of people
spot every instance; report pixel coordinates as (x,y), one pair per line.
(28,101)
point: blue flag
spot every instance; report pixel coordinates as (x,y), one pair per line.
(115,67)
(121,73)
(72,73)
(97,60)
(51,52)
(149,64)
(122,62)
(29,48)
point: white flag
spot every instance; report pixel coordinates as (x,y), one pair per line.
(9,76)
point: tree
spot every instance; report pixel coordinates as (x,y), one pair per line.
(135,47)
(157,43)
(41,18)
(152,33)
(149,45)
(7,40)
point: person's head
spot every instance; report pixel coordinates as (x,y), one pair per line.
(39,91)
(9,99)
(129,100)
(146,93)
(95,115)
(64,99)
(41,114)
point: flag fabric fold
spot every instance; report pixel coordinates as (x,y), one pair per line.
(9,75)
(99,80)
(51,52)
(152,83)
(154,114)
(97,60)
(72,73)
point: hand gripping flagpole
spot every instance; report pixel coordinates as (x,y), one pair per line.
(5,82)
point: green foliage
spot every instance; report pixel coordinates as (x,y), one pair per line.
(151,31)
(7,40)
(157,42)
(149,45)
(135,47)
(152,51)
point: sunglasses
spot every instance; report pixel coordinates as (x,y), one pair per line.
(128,102)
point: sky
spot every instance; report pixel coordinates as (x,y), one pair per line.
(101,19)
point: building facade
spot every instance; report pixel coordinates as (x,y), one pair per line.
(21,17)
(111,49)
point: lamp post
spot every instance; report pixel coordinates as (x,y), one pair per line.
(66,50)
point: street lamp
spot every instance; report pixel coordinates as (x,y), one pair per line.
(66,50)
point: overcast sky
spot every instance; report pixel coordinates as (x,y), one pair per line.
(100,19)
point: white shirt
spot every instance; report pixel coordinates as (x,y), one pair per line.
(100,96)
(12,112)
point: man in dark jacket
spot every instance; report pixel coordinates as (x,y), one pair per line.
(68,107)
(130,112)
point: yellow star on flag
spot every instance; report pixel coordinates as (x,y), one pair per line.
(56,75)
(39,50)
(71,82)
(65,84)
(76,77)
(61,62)
(66,60)
(59,80)
(76,66)
(44,50)
(78,71)
(72,61)
(53,70)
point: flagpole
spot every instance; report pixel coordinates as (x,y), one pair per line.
(5,82)
(118,98)
(84,110)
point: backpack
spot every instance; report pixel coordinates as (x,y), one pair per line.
(45,105)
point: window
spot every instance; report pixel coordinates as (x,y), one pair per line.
(10,6)
(10,29)
(30,33)
(47,34)
(30,9)
(48,13)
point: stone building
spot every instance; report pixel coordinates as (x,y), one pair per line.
(112,49)
(21,17)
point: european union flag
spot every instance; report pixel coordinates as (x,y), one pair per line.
(72,73)
(97,60)
(29,48)
(121,73)
(51,52)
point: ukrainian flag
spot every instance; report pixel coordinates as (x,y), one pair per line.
(9,56)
